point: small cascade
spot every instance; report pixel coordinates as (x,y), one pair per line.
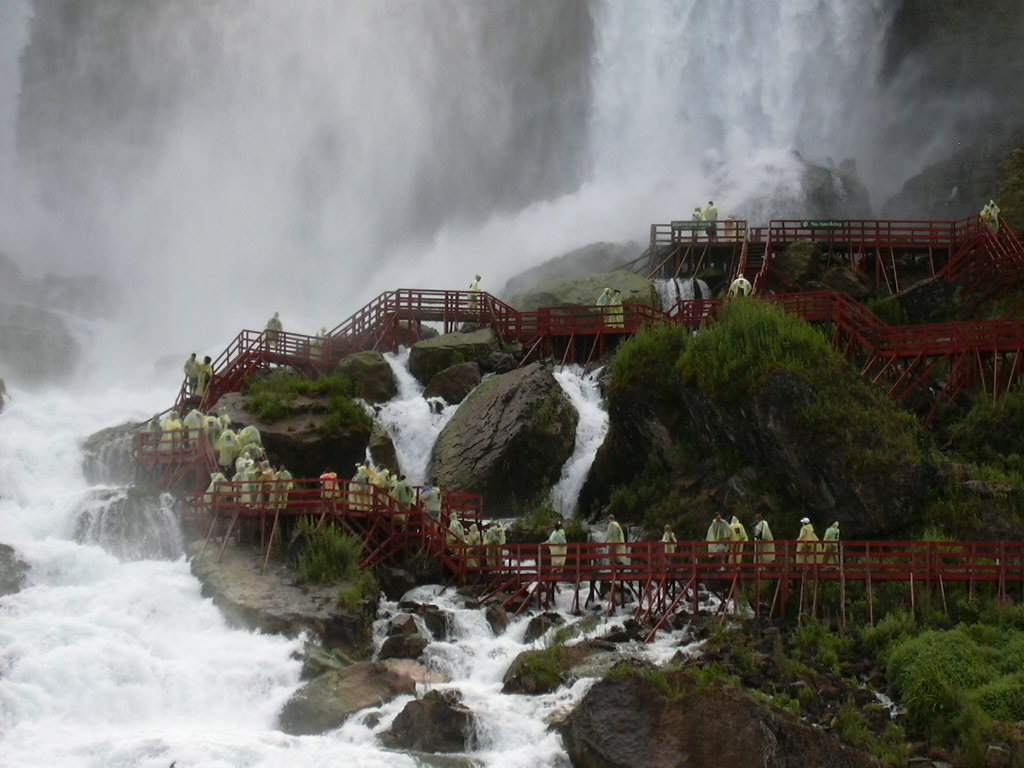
(412,421)
(584,392)
(681,289)
(109,456)
(130,523)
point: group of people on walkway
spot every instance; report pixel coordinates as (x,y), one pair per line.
(725,542)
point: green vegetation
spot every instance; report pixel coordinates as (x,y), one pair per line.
(330,555)
(675,681)
(271,398)
(891,749)
(887,309)
(1011,189)
(754,339)
(992,433)
(364,588)
(535,526)
(546,666)
(647,363)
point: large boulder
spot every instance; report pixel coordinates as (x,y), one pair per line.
(584,291)
(382,447)
(439,722)
(371,376)
(13,571)
(298,441)
(453,384)
(36,344)
(429,357)
(626,721)
(596,257)
(325,702)
(508,440)
(271,601)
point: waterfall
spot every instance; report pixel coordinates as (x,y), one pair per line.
(412,421)
(584,391)
(681,289)
(130,523)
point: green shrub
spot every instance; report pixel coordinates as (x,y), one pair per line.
(364,588)
(271,398)
(819,645)
(330,555)
(888,309)
(647,363)
(993,430)
(892,627)
(1003,698)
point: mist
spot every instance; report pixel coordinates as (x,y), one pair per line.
(222,161)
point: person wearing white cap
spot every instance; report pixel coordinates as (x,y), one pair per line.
(807,546)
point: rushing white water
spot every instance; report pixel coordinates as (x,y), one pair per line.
(584,391)
(412,421)
(681,289)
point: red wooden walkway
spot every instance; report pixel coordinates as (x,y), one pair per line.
(655,582)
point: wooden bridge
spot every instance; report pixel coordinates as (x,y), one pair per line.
(658,582)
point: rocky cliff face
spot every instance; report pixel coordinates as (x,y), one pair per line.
(626,721)
(508,440)
(753,456)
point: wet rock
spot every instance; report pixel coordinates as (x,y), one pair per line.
(419,673)
(797,263)
(842,279)
(13,571)
(403,625)
(403,647)
(428,358)
(371,376)
(629,631)
(508,440)
(382,447)
(625,721)
(317,660)
(438,621)
(439,722)
(543,671)
(133,523)
(270,602)
(326,702)
(454,383)
(540,624)
(497,617)
(395,582)
(108,456)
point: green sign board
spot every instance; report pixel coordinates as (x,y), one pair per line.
(823,224)
(690,226)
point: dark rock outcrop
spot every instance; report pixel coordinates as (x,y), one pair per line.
(508,440)
(326,701)
(439,622)
(626,721)
(395,582)
(371,376)
(298,441)
(403,647)
(439,722)
(13,571)
(497,617)
(428,358)
(540,624)
(765,428)
(455,383)
(382,448)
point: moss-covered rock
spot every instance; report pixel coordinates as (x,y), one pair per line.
(543,671)
(797,263)
(431,356)
(371,376)
(584,291)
